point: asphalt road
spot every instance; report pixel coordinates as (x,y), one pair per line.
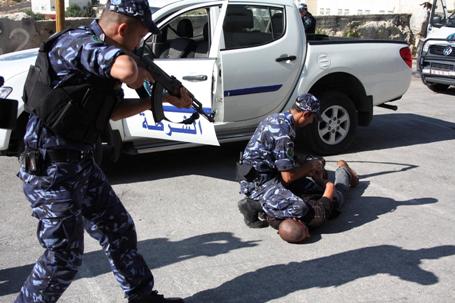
(394,242)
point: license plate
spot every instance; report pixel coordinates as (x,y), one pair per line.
(441,72)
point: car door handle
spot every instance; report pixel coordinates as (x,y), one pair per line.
(290,58)
(195,78)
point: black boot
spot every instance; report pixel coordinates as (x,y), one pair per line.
(152,297)
(251,209)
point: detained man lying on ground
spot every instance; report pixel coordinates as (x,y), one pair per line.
(319,207)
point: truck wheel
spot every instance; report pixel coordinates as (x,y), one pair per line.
(335,131)
(438,88)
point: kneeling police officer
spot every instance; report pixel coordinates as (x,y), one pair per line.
(270,175)
(72,92)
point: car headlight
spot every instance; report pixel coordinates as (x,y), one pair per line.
(5,91)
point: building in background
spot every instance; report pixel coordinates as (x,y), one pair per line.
(47,7)
(362,7)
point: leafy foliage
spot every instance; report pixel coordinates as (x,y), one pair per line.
(34,16)
(75,10)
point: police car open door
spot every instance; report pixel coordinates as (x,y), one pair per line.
(187,48)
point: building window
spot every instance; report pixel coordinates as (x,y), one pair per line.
(321,11)
(359,12)
(346,11)
(327,11)
(340,11)
(367,12)
(382,12)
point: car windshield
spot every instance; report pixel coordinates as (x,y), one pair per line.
(451,20)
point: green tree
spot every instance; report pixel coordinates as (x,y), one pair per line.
(75,10)
(34,16)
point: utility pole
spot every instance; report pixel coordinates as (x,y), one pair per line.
(59,15)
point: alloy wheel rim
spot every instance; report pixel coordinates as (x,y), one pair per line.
(334,125)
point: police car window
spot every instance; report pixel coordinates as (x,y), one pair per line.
(186,36)
(250,25)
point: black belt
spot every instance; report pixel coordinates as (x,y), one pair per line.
(67,155)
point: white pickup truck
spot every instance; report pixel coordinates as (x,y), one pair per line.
(436,61)
(244,61)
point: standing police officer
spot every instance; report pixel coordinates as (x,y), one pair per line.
(271,175)
(72,92)
(309,22)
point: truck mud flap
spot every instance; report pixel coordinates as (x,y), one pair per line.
(365,109)
(8,113)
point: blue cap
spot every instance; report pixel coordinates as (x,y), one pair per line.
(308,103)
(138,9)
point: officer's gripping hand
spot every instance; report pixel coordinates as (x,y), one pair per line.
(314,168)
(183,101)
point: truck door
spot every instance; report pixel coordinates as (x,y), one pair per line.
(262,59)
(185,50)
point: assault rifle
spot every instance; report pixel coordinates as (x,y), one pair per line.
(164,83)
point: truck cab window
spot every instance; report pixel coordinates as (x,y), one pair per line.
(248,25)
(439,14)
(186,36)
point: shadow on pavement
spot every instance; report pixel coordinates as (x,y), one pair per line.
(156,252)
(360,210)
(217,162)
(277,281)
(450,91)
(386,131)
(398,130)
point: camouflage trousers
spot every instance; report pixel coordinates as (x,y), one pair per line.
(280,201)
(66,199)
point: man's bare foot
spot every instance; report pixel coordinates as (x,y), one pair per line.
(354,177)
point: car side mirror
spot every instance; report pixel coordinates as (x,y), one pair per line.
(436,21)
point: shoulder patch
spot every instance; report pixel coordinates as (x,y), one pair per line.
(290,150)
(95,38)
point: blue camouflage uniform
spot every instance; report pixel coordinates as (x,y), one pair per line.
(270,151)
(72,196)
(309,22)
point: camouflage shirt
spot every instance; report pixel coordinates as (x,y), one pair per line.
(271,148)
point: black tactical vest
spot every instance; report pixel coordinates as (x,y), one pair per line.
(76,111)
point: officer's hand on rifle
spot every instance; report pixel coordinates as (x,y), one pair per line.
(183,101)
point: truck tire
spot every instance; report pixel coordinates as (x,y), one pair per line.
(438,87)
(335,131)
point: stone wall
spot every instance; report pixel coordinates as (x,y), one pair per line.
(18,31)
(393,26)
